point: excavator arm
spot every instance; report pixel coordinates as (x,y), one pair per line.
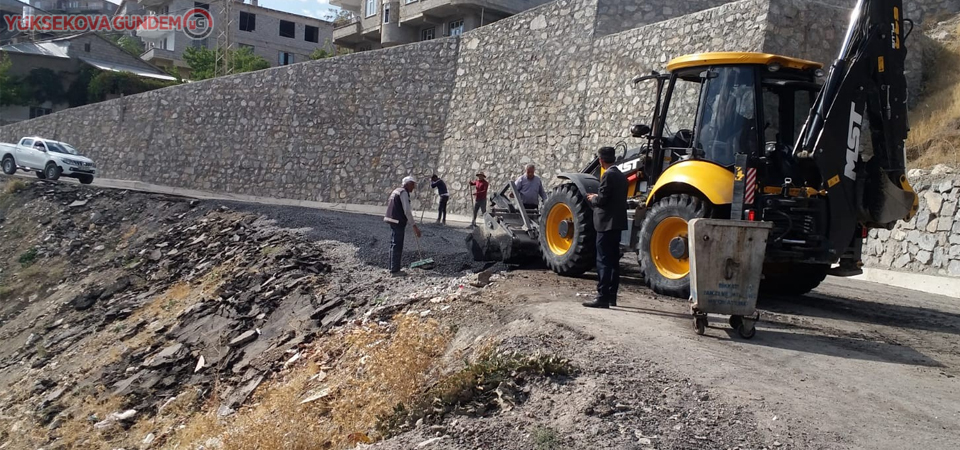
(866,85)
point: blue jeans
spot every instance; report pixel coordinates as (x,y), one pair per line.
(608,264)
(397,232)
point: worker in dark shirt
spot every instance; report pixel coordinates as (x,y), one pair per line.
(441,187)
(480,196)
(609,219)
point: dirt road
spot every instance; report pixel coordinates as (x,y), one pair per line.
(852,365)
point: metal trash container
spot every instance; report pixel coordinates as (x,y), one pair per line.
(726,261)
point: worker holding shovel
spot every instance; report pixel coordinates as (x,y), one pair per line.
(399,213)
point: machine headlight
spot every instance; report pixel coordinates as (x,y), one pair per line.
(71,162)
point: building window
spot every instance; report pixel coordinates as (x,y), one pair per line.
(286,58)
(86,47)
(243,46)
(386,13)
(429,33)
(201,5)
(288,29)
(311,34)
(456,27)
(371,7)
(36,111)
(248,21)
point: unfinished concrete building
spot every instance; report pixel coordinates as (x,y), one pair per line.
(386,23)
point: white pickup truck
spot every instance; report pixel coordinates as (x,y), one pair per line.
(49,159)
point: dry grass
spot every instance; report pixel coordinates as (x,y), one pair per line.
(79,433)
(935,123)
(367,372)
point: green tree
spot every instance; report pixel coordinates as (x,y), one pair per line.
(328,51)
(203,61)
(11,89)
(122,83)
(43,85)
(130,45)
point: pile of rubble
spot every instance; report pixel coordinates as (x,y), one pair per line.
(255,295)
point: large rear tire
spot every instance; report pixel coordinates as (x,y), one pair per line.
(665,269)
(792,279)
(568,241)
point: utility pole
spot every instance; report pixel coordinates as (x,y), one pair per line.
(224,46)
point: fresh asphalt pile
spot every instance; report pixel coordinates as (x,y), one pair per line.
(371,235)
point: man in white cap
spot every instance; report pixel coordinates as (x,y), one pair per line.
(398,215)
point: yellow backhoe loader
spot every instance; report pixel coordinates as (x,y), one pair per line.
(746,136)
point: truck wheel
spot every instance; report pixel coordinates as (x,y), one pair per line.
(52,171)
(792,279)
(567,239)
(9,165)
(85,179)
(663,253)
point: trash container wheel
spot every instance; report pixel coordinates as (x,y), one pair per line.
(700,325)
(736,322)
(746,331)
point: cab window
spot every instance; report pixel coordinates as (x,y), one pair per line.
(27,143)
(728,119)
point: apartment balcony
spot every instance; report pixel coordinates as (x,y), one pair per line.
(351,33)
(152,3)
(349,5)
(146,33)
(159,56)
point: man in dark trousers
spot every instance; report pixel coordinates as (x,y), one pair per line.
(398,215)
(441,187)
(609,219)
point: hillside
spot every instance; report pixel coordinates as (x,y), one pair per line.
(935,121)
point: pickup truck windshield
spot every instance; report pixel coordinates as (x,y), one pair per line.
(65,149)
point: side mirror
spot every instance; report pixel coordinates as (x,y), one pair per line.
(639,130)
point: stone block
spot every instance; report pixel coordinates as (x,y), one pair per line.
(933,225)
(913,237)
(923,257)
(944,223)
(903,260)
(944,186)
(923,218)
(928,242)
(954,268)
(939,257)
(955,251)
(934,201)
(949,209)
(898,234)
(881,233)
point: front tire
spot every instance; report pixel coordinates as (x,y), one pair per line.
(9,165)
(51,171)
(85,179)
(567,238)
(665,269)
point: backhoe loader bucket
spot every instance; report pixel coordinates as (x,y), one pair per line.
(509,233)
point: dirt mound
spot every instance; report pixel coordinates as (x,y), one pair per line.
(142,298)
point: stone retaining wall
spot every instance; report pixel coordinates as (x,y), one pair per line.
(930,242)
(547,86)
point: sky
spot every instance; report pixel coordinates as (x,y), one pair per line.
(313,8)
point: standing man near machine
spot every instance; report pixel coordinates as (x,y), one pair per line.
(398,215)
(480,196)
(530,188)
(609,219)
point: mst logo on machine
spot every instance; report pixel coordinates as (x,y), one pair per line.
(853,142)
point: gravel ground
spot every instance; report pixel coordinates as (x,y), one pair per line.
(371,236)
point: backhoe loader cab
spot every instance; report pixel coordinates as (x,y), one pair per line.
(744,136)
